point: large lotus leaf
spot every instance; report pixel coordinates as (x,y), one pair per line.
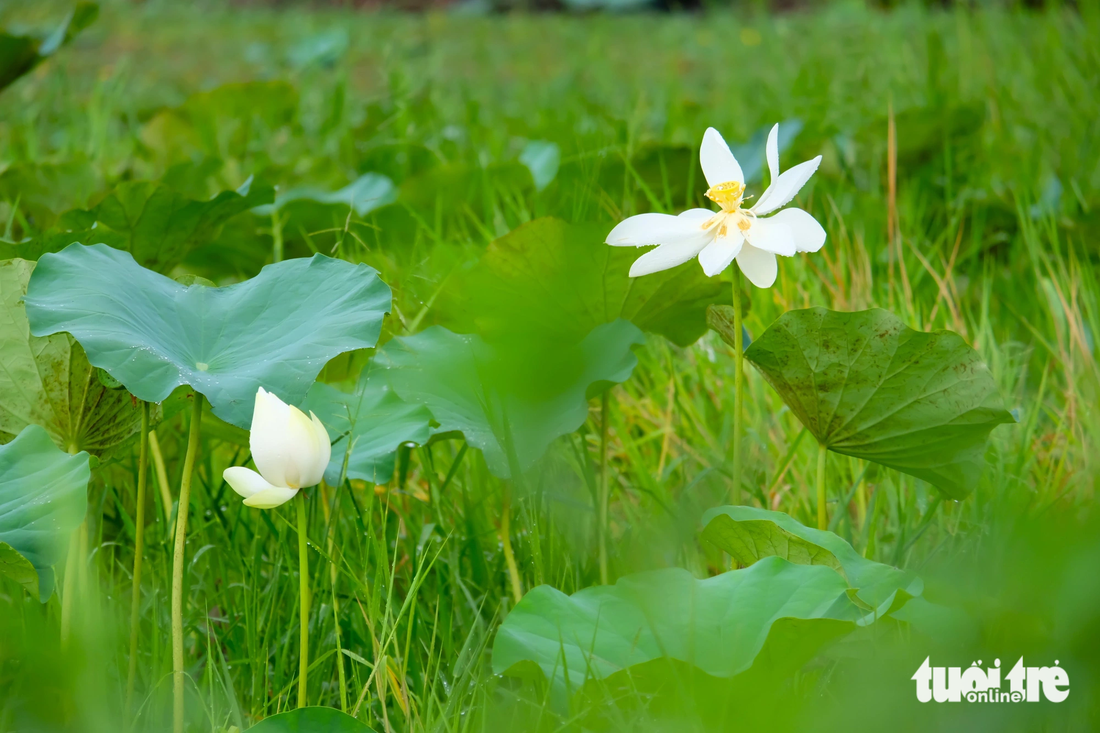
(191,177)
(48,381)
(560,281)
(43,190)
(153,334)
(363,195)
(749,534)
(311,720)
(721,317)
(865,385)
(18,568)
(315,217)
(375,421)
(223,122)
(160,226)
(506,398)
(43,498)
(19,54)
(155,224)
(237,253)
(456,189)
(718,624)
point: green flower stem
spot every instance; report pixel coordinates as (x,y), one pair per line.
(276,236)
(604,488)
(69,587)
(162,479)
(738,387)
(177,563)
(333,575)
(330,548)
(506,542)
(82,572)
(861,499)
(822,515)
(303,600)
(72,559)
(139,551)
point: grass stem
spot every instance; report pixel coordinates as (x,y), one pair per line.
(822,514)
(162,478)
(506,543)
(139,552)
(276,236)
(738,386)
(303,599)
(605,490)
(177,563)
(69,587)
(330,510)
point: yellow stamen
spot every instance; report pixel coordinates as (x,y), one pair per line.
(727,195)
(714,220)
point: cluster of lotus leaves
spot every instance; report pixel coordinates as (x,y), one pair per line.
(800,590)
(866,385)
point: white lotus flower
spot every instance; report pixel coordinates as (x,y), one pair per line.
(290,449)
(718,238)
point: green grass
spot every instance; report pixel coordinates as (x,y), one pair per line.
(998,189)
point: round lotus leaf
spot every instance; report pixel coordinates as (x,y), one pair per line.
(311,720)
(153,334)
(774,609)
(366,426)
(562,281)
(750,534)
(866,385)
(48,381)
(509,400)
(43,498)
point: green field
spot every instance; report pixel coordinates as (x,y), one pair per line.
(959,188)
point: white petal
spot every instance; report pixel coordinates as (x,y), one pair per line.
(772,152)
(268,438)
(304,451)
(718,255)
(323,453)
(680,244)
(809,235)
(285,443)
(665,257)
(271,498)
(696,216)
(759,266)
(771,235)
(789,183)
(719,165)
(245,481)
(641,230)
(647,229)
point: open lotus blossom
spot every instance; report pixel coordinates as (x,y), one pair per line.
(290,449)
(734,233)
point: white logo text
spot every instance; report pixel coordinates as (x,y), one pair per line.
(974,684)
